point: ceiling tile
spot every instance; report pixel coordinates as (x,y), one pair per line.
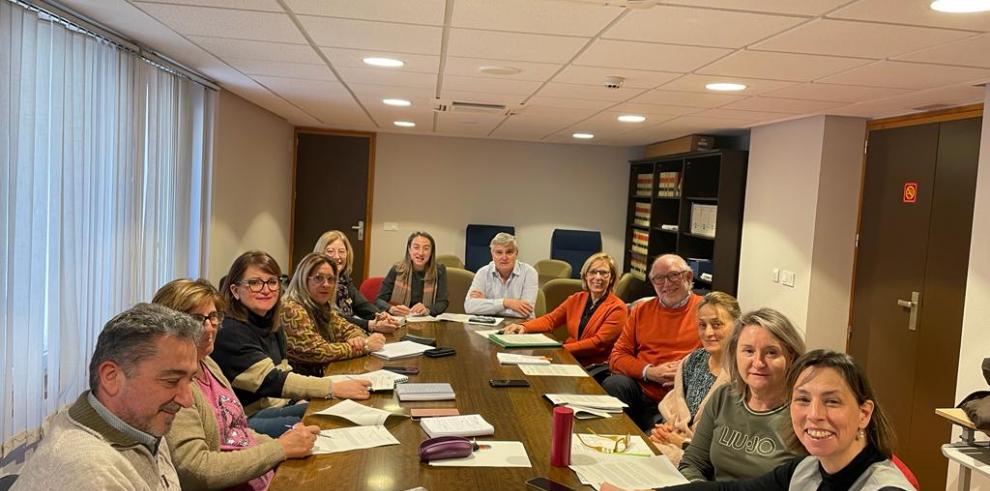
(419,12)
(468,67)
(692,99)
(296,89)
(361,34)
(341,57)
(522,88)
(741,116)
(798,7)
(857,39)
(537,114)
(447,93)
(279,69)
(914,13)
(607,120)
(698,27)
(969,52)
(399,78)
(262,5)
(512,46)
(386,115)
(777,105)
(557,89)
(780,66)
(237,24)
(903,75)
(648,56)
(663,109)
(914,102)
(244,49)
(417,95)
(837,93)
(634,79)
(567,102)
(696,83)
(541,17)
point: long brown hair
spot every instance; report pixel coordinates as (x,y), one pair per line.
(263,261)
(298,291)
(430,272)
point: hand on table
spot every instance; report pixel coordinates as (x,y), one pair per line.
(357,343)
(383,323)
(352,389)
(514,329)
(399,310)
(521,306)
(419,309)
(298,441)
(374,342)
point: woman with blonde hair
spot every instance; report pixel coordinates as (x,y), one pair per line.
(417,285)
(316,334)
(349,300)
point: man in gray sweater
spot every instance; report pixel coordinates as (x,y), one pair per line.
(111,437)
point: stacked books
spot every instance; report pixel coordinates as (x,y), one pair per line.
(641,214)
(425,392)
(669,185)
(641,238)
(464,426)
(644,184)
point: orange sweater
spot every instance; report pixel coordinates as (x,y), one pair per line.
(654,335)
(599,334)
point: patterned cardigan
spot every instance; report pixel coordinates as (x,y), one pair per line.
(311,344)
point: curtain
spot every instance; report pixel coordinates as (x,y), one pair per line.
(104,189)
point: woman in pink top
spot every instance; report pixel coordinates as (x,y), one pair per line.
(212,446)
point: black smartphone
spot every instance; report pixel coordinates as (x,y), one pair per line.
(547,485)
(402,370)
(440,352)
(508,383)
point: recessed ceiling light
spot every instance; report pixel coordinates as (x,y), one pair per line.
(404,124)
(725,87)
(397,102)
(960,6)
(583,136)
(383,62)
(631,118)
(499,70)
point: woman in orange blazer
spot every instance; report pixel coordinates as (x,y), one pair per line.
(594,316)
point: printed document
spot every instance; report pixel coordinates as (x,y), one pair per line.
(514,359)
(557,370)
(466,425)
(352,438)
(602,402)
(491,454)
(641,473)
(401,349)
(381,380)
(358,413)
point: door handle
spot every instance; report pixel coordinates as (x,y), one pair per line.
(913,305)
(360,229)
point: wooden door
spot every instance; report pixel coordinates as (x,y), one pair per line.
(914,236)
(332,191)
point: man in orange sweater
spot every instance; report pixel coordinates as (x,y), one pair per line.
(657,335)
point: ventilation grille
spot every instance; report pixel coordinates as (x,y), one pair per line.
(463,107)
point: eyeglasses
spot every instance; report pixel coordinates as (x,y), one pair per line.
(619,444)
(658,279)
(214,317)
(257,284)
(320,279)
(604,273)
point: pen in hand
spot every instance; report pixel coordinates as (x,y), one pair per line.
(318,434)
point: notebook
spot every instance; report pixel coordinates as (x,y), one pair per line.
(381,380)
(402,349)
(425,392)
(466,425)
(523,340)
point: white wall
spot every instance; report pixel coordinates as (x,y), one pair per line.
(441,184)
(973,346)
(252,184)
(802,197)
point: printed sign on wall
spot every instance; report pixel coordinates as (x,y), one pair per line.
(910,192)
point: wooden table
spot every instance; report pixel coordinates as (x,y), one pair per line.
(969,453)
(518,414)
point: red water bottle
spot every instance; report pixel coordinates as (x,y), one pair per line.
(560,443)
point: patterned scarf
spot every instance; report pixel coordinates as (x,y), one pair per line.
(402,290)
(344,301)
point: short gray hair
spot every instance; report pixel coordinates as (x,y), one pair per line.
(504,239)
(131,337)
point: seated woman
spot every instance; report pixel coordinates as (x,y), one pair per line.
(250,350)
(698,375)
(211,444)
(837,420)
(417,285)
(349,300)
(594,317)
(739,435)
(315,333)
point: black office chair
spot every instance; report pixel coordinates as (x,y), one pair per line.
(477,244)
(575,246)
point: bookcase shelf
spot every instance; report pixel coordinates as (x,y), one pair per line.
(705,187)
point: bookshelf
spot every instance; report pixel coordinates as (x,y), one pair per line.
(689,204)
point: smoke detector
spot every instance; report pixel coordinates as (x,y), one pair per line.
(614,82)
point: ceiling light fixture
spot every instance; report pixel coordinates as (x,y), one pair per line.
(383,62)
(960,6)
(725,87)
(397,102)
(499,70)
(631,118)
(583,136)
(404,124)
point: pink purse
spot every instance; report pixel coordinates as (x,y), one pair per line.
(445,447)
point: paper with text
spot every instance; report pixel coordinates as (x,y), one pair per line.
(353,438)
(641,473)
(556,370)
(514,359)
(358,413)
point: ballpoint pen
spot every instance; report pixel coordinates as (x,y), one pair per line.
(318,434)
(370,388)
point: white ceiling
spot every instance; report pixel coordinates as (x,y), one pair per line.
(301,59)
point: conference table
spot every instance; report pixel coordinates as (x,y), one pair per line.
(517,413)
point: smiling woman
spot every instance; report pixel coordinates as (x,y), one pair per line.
(416,285)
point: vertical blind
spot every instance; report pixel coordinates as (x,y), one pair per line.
(104,190)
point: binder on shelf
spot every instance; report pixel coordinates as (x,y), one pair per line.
(642,210)
(644,184)
(703,219)
(636,249)
(669,185)
(641,238)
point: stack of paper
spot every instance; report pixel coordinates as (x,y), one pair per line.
(358,413)
(600,402)
(582,454)
(381,380)
(523,340)
(448,316)
(352,438)
(401,349)
(511,359)
(581,412)
(421,318)
(491,454)
(466,425)
(425,392)
(631,473)
(557,370)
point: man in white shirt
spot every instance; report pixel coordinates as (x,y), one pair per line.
(504,287)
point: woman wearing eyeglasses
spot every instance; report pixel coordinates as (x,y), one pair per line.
(351,303)
(316,334)
(417,285)
(212,446)
(251,350)
(594,316)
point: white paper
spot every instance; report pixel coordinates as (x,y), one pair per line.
(556,370)
(447,316)
(421,318)
(378,381)
(499,454)
(352,438)
(514,359)
(401,349)
(358,413)
(603,402)
(528,339)
(464,425)
(581,412)
(485,332)
(582,455)
(642,473)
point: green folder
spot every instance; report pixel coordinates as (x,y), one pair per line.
(524,340)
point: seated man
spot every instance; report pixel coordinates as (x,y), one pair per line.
(656,336)
(504,287)
(111,437)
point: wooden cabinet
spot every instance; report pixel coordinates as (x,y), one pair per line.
(690,205)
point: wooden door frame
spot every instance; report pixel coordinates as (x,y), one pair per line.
(371,184)
(942,115)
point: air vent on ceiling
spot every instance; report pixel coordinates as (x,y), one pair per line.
(464,107)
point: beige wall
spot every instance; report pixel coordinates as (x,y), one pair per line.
(802,197)
(441,184)
(252,184)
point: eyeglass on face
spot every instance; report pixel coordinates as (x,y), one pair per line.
(619,444)
(214,317)
(604,273)
(257,284)
(319,279)
(658,279)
